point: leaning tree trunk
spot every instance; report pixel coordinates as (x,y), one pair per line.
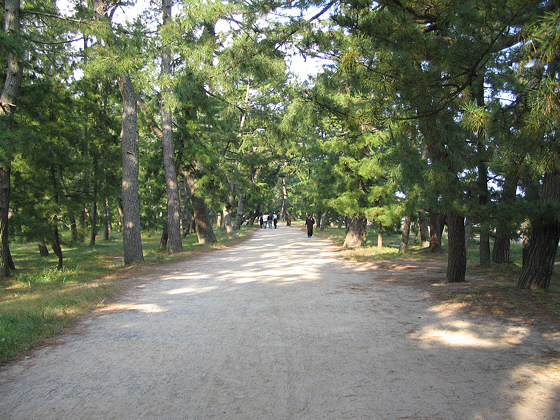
(540,252)
(132,239)
(8,98)
(356,232)
(202,220)
(403,248)
(457,254)
(173,206)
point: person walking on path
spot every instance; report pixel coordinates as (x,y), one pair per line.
(265,220)
(275,219)
(309,222)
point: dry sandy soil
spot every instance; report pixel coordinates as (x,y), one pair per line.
(279,327)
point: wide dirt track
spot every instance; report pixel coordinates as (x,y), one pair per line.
(279,328)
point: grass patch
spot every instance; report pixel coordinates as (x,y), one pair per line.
(39,300)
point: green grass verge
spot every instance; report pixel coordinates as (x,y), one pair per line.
(38,300)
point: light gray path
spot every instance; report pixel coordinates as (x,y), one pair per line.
(278,328)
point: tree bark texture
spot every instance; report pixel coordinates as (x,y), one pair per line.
(285,204)
(403,248)
(132,239)
(14,73)
(185,195)
(423,228)
(457,254)
(174,242)
(380,237)
(106,220)
(4,212)
(504,228)
(8,98)
(356,232)
(203,224)
(240,212)
(437,222)
(539,253)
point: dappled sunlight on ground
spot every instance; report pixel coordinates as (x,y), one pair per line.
(146,308)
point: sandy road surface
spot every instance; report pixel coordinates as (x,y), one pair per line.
(278,328)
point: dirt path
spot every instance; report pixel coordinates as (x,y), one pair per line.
(279,328)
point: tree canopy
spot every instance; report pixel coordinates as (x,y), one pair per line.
(190,115)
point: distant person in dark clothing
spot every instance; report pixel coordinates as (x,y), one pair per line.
(309,222)
(261,221)
(275,219)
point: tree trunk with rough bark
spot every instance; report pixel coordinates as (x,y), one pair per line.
(174,242)
(285,214)
(356,232)
(185,194)
(8,98)
(457,254)
(501,249)
(403,248)
(132,239)
(202,220)
(239,217)
(539,253)
(423,228)
(437,222)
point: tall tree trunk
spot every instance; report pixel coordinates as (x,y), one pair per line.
(227,221)
(106,220)
(132,239)
(437,222)
(403,248)
(285,204)
(43,250)
(356,232)
(164,236)
(185,194)
(540,252)
(56,237)
(457,255)
(8,98)
(423,228)
(202,220)
(380,237)
(240,212)
(93,215)
(477,87)
(56,245)
(501,250)
(4,213)
(324,218)
(173,206)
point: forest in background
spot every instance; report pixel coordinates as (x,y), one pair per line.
(428,115)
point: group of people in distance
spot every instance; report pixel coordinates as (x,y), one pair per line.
(267,220)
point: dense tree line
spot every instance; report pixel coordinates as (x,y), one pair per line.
(186,118)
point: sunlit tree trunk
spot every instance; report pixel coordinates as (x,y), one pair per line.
(173,206)
(356,232)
